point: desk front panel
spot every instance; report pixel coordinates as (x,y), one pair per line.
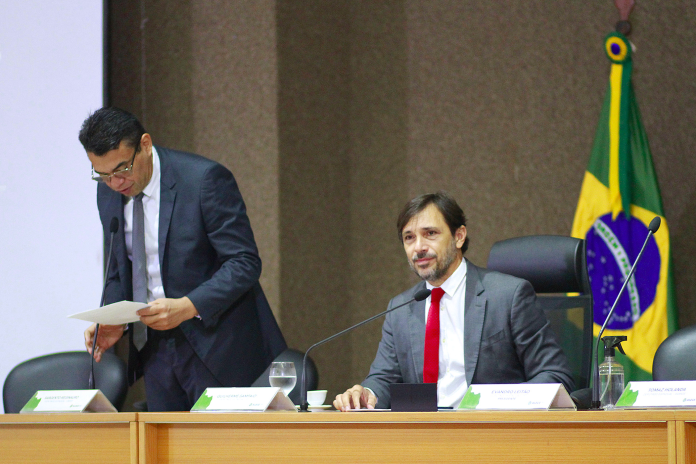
(472,437)
(68,438)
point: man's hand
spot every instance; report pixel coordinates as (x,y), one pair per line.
(108,336)
(355,398)
(167,313)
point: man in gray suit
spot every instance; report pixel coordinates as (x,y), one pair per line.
(481,326)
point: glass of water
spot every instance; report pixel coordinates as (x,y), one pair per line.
(283,375)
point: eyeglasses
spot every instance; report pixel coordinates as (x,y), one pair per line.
(121,173)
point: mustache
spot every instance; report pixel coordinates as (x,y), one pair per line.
(423,254)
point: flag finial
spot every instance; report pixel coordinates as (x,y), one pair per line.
(625,7)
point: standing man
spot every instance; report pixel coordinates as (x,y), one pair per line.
(480,326)
(184,246)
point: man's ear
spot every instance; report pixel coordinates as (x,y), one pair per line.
(146,142)
(460,236)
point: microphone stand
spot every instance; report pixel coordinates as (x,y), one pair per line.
(304,406)
(92,380)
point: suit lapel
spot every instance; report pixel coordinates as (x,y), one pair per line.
(474,316)
(416,324)
(113,207)
(167,198)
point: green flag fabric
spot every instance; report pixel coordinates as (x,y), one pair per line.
(619,197)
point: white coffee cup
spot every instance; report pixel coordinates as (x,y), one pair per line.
(316,397)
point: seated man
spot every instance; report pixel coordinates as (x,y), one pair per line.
(480,326)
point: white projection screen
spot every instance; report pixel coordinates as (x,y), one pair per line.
(51,77)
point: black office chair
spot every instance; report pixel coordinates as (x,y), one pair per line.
(64,371)
(674,358)
(555,265)
(292,355)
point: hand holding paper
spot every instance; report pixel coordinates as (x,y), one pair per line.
(167,313)
(108,336)
(111,319)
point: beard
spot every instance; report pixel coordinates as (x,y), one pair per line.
(442,263)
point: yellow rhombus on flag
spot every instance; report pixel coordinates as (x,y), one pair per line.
(618,199)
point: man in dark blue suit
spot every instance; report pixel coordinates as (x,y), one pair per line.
(209,323)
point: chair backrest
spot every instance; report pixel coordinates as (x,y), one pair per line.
(65,371)
(295,356)
(556,265)
(674,358)
(551,263)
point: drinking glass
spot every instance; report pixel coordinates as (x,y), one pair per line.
(283,375)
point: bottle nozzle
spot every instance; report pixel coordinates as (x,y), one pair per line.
(612,342)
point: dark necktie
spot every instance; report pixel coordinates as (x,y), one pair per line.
(139,268)
(431,353)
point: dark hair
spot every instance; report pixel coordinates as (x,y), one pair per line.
(106,128)
(453,214)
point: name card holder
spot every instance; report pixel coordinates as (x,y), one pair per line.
(517,397)
(672,394)
(51,401)
(237,399)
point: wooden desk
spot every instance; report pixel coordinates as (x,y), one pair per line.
(472,437)
(515,437)
(69,438)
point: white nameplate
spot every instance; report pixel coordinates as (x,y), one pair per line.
(523,396)
(68,401)
(243,399)
(674,394)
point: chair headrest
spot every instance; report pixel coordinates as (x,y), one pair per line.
(551,263)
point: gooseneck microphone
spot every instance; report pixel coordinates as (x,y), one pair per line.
(113,228)
(596,402)
(420,295)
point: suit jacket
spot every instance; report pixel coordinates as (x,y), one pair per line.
(507,338)
(206,252)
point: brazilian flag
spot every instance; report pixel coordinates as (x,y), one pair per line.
(618,199)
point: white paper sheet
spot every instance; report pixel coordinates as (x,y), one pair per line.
(113,314)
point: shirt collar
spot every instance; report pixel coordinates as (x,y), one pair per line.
(154,179)
(451,285)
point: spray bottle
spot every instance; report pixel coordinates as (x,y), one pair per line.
(611,373)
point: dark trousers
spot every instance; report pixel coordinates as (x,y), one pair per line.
(175,377)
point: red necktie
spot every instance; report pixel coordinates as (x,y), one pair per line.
(431,354)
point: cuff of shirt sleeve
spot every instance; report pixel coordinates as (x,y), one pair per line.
(373,393)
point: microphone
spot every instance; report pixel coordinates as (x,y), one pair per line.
(420,295)
(596,403)
(113,228)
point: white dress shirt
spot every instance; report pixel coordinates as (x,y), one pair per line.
(451,383)
(151,209)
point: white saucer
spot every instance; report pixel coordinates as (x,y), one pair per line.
(323,406)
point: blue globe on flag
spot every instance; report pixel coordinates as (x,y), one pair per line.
(612,248)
